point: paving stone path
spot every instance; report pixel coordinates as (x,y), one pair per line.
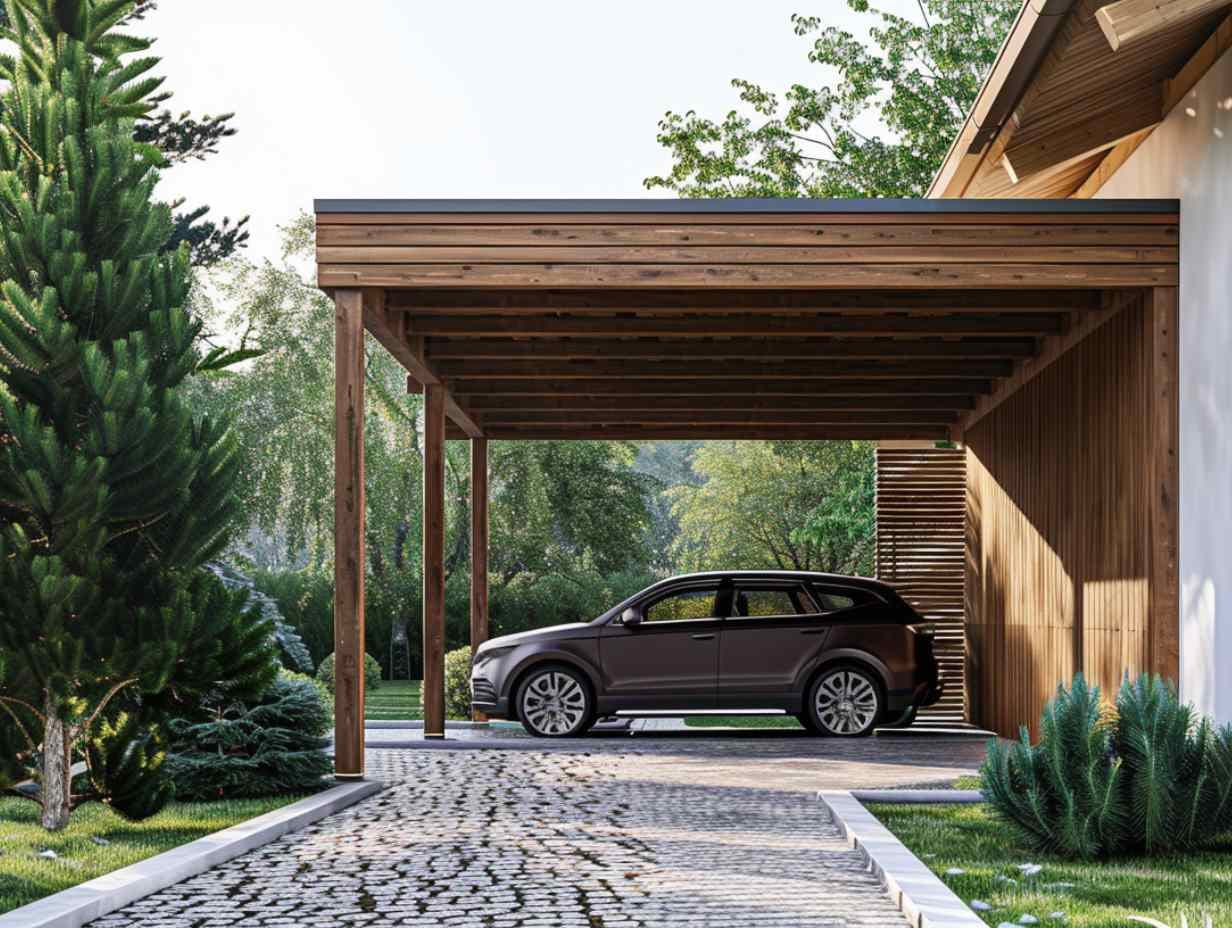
(673,837)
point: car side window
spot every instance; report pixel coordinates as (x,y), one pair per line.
(834,600)
(757,602)
(696,603)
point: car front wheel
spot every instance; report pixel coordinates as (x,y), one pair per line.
(555,702)
(844,702)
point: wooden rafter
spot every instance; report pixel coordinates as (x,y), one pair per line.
(1128,22)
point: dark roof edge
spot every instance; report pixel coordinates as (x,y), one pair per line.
(744,206)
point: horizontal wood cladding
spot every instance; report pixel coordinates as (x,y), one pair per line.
(842,236)
(754,251)
(800,276)
(1059,528)
(921,519)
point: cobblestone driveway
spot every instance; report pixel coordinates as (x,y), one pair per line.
(677,835)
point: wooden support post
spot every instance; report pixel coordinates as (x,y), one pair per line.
(349,535)
(434,562)
(479,548)
(1163,462)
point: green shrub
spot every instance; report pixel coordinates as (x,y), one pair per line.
(273,747)
(458,683)
(372,673)
(1147,778)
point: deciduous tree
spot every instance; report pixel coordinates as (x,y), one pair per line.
(879,128)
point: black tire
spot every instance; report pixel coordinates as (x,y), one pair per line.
(554,701)
(806,721)
(845,701)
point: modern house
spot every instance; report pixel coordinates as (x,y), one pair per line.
(1053,311)
(1110,101)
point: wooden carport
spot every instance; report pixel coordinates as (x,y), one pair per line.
(793,319)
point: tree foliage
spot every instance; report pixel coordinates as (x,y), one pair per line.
(791,505)
(185,137)
(558,509)
(880,128)
(112,495)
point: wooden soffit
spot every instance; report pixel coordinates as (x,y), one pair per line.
(1062,100)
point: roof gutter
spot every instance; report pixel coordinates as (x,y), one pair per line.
(1017,62)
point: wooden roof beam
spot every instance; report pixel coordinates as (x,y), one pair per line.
(1020,324)
(738,433)
(390,330)
(1129,21)
(745,302)
(907,417)
(532,368)
(633,387)
(486,405)
(1053,348)
(440,351)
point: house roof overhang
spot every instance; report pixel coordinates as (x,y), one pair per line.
(1061,107)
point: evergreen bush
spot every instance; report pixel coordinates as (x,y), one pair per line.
(273,747)
(458,683)
(1145,777)
(372,673)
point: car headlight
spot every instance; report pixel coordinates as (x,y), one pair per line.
(487,655)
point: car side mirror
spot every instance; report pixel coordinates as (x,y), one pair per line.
(631,617)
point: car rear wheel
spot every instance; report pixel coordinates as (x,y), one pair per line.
(844,702)
(555,702)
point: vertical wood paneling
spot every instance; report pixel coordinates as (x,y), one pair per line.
(1061,547)
(920,549)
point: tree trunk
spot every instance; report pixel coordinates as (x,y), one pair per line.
(57,773)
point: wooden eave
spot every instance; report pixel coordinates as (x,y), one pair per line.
(1061,105)
(740,319)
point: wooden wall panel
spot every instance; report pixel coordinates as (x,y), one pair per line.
(1059,528)
(920,549)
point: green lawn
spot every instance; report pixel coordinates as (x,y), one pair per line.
(393,701)
(1102,895)
(80,855)
(742,721)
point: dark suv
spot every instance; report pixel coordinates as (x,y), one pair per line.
(842,654)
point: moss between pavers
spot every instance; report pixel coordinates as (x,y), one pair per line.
(97,841)
(1102,895)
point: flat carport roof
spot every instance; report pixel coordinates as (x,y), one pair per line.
(641,319)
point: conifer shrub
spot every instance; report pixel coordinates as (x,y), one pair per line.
(1146,776)
(458,683)
(272,747)
(372,673)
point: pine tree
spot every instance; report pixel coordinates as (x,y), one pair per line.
(112,495)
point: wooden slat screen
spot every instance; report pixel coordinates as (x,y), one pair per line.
(921,530)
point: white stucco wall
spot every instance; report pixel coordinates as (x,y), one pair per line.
(1190,157)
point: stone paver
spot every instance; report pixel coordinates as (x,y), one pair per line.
(725,833)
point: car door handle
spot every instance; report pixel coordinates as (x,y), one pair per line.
(705,637)
(812,631)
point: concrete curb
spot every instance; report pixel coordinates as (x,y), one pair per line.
(919,797)
(916,890)
(75,906)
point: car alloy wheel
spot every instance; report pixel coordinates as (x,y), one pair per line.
(846,702)
(554,703)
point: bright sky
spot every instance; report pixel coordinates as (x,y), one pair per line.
(410,98)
